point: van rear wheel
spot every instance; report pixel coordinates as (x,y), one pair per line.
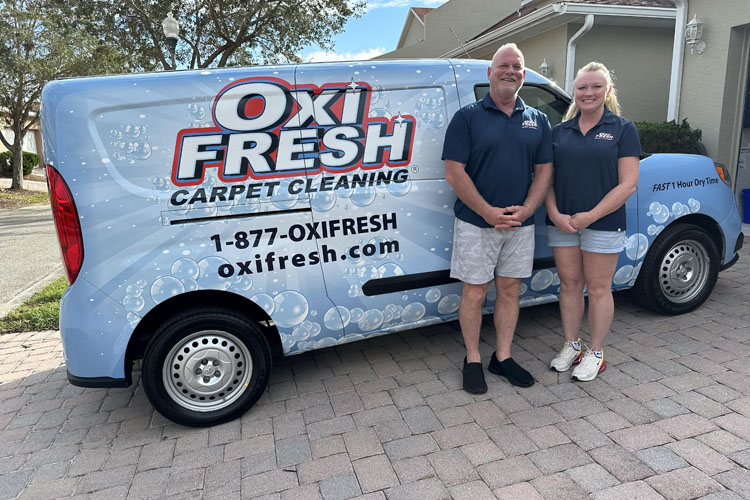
(206,367)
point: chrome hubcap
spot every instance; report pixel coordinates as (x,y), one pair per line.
(684,271)
(207,371)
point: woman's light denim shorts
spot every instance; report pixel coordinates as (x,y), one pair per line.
(590,240)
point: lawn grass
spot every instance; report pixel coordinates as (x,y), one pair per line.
(14,198)
(40,312)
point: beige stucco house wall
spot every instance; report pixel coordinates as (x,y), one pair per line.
(639,59)
(632,40)
(459,16)
(714,83)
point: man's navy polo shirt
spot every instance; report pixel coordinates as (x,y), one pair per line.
(499,152)
(586,165)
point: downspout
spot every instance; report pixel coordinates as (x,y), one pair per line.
(678,52)
(570,65)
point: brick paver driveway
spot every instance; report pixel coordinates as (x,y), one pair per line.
(386,418)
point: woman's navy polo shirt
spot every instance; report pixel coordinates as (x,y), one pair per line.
(586,165)
(499,152)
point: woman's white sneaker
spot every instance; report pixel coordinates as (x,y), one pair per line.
(569,355)
(591,365)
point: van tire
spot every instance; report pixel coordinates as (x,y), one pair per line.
(679,271)
(206,367)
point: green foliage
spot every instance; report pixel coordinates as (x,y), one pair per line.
(30,160)
(40,312)
(43,40)
(219,33)
(669,137)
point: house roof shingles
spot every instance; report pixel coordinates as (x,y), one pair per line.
(421,11)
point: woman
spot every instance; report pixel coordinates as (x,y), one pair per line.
(596,155)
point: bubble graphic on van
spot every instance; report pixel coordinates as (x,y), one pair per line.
(413,312)
(132,318)
(376,95)
(190,285)
(399,188)
(432,295)
(380,113)
(314,328)
(694,205)
(449,304)
(244,283)
(301,332)
(265,301)
(196,111)
(438,121)
(165,287)
(325,342)
(371,319)
(636,246)
(133,131)
(141,150)
(653,229)
(291,308)
(623,275)
(133,290)
(390,269)
(378,242)
(363,196)
(185,268)
(387,315)
(208,276)
(355,315)
(287,342)
(367,273)
(336,318)
(323,201)
(282,198)
(115,134)
(680,209)
(659,212)
(133,303)
(542,280)
(555,279)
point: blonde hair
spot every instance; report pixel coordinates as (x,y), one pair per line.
(610,101)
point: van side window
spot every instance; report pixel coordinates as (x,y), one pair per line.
(536,97)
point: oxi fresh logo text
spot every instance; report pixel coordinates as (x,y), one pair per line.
(268,128)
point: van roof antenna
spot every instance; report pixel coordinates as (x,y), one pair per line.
(468,56)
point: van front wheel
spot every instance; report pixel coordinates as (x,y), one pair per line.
(206,367)
(679,271)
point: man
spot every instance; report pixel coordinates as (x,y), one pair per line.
(498,155)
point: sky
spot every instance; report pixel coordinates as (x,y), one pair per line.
(375,33)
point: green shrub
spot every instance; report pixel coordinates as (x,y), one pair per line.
(30,160)
(669,137)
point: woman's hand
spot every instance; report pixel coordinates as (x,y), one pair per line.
(564,223)
(582,220)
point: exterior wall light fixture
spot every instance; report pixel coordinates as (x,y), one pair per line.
(544,68)
(694,35)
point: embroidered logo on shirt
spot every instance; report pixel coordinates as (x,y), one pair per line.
(605,136)
(529,124)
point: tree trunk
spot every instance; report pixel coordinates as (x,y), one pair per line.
(17,182)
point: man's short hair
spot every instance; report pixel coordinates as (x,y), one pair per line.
(510,45)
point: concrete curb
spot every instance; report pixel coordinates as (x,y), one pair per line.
(26,293)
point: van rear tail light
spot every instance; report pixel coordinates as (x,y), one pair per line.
(66,222)
(724,175)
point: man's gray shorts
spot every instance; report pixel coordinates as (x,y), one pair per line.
(480,254)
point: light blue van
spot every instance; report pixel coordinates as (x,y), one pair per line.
(210,219)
